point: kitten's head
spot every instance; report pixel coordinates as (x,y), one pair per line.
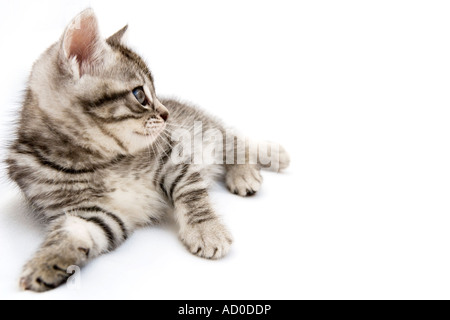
(97,90)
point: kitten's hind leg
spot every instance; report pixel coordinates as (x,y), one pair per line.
(73,239)
(273,156)
(200,228)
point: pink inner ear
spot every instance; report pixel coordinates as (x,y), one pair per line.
(83,42)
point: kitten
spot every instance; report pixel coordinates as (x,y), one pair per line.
(94,156)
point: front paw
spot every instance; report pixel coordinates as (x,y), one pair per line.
(48,269)
(210,239)
(244,180)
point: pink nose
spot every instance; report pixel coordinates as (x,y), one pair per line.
(164,115)
(162,110)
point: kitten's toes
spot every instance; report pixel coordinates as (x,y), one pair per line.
(244,180)
(41,276)
(47,271)
(210,239)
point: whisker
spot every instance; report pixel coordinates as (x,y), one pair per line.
(178,126)
(160,148)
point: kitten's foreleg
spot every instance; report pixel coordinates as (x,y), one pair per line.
(73,240)
(243,172)
(200,228)
(243,179)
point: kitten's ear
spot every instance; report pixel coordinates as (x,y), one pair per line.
(82,45)
(118,38)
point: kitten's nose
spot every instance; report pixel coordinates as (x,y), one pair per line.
(164,115)
(162,110)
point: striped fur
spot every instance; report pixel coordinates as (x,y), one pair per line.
(95,164)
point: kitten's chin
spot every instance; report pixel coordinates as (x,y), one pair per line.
(141,141)
(148,135)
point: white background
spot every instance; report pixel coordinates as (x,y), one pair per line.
(358,92)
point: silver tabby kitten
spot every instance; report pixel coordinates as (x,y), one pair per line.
(94,153)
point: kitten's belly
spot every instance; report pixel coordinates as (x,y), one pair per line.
(135,199)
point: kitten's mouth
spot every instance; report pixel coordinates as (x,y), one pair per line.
(152,128)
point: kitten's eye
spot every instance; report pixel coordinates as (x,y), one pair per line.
(140,96)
